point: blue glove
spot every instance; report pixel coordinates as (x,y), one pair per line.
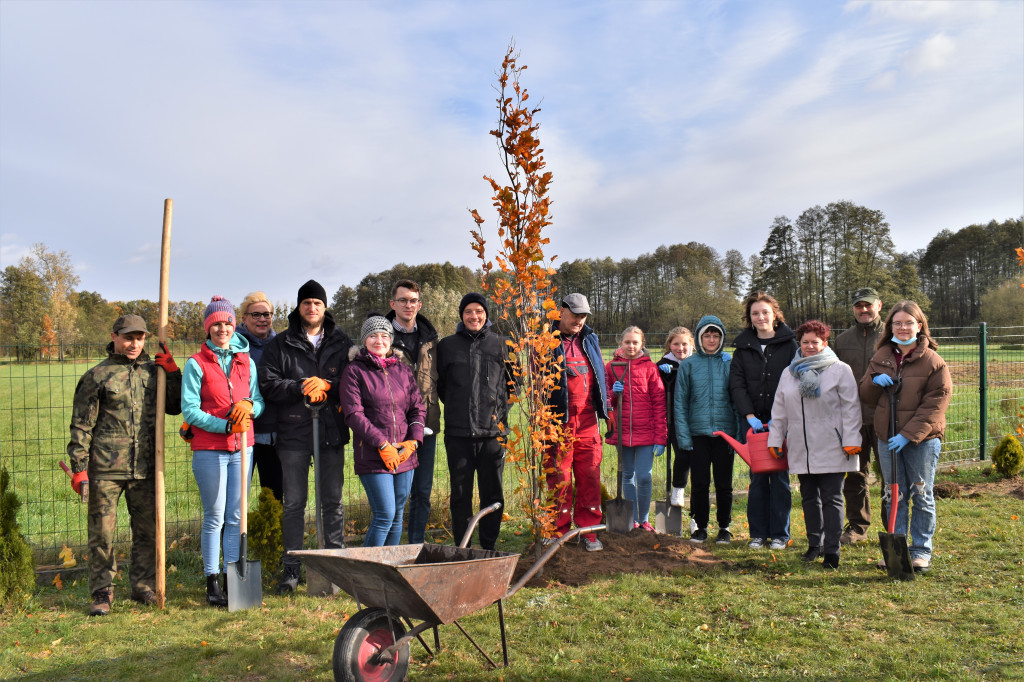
(882,380)
(666,367)
(659,450)
(897,443)
(725,356)
(755,424)
(617,387)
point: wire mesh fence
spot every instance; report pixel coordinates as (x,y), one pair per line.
(36,395)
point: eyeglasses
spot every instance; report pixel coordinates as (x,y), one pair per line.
(406,301)
(260,316)
(904,325)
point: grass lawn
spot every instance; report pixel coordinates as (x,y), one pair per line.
(754,615)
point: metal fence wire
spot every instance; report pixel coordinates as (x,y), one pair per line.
(36,396)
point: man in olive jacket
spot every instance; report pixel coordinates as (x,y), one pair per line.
(112,451)
(300,368)
(476,377)
(855,347)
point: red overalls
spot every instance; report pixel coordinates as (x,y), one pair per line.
(581,458)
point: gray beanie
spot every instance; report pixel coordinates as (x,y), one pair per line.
(376,323)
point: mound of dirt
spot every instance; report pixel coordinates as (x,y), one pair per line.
(1014,487)
(639,552)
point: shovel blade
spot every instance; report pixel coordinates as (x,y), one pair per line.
(896,555)
(668,519)
(245,587)
(619,516)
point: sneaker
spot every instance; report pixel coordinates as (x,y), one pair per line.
(678,497)
(830,561)
(635,525)
(811,554)
(852,537)
(724,537)
(144,595)
(592,545)
(289,580)
(881,563)
(699,535)
(693,526)
(920,564)
(101,602)
(777,545)
(646,525)
(756,543)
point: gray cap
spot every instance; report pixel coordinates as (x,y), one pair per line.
(576,303)
(374,324)
(129,323)
(867,294)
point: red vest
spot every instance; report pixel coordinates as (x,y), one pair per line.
(216,396)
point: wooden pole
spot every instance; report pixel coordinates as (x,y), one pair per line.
(161,404)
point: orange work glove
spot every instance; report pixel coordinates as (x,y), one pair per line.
(389,453)
(77,480)
(775,452)
(316,388)
(241,426)
(165,359)
(240,410)
(405,450)
(185,431)
(852,450)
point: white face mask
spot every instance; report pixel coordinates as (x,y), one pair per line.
(912,339)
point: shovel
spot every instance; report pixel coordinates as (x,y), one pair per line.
(316,584)
(668,519)
(245,586)
(619,511)
(894,546)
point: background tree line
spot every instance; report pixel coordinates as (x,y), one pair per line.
(811,265)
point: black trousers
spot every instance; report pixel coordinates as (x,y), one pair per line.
(484,457)
(268,464)
(710,453)
(822,499)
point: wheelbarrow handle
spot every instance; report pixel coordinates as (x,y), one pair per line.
(475,520)
(555,546)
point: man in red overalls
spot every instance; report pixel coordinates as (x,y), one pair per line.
(580,400)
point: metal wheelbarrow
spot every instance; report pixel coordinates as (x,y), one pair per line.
(435,584)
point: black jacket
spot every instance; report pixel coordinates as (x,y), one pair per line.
(755,375)
(473,375)
(289,359)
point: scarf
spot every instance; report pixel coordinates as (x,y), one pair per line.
(808,371)
(383,363)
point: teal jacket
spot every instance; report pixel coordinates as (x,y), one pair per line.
(703,403)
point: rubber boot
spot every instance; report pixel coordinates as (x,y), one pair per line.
(214,597)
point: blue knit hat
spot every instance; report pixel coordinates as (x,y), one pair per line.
(218,310)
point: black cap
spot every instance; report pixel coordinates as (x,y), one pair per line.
(312,289)
(473,297)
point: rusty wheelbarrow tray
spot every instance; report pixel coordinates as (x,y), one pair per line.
(435,584)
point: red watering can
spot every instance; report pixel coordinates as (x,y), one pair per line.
(755,452)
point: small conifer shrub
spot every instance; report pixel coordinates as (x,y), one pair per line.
(1008,457)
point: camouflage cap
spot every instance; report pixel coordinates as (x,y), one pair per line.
(130,323)
(866,295)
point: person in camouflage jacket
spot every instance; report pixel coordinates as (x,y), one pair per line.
(112,450)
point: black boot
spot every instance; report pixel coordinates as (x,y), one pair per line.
(289,580)
(214,597)
(830,561)
(812,553)
(224,584)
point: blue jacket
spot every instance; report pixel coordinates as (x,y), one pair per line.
(703,403)
(559,400)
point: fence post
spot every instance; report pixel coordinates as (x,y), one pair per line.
(983,388)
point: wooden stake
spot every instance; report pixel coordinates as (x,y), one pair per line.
(161,404)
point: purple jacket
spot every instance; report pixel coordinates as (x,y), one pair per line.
(380,404)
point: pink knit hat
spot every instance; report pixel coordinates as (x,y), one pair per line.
(219,310)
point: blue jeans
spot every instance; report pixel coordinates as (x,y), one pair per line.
(637,483)
(422,485)
(387,494)
(768,505)
(219,479)
(915,474)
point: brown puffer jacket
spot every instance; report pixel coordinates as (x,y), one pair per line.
(922,402)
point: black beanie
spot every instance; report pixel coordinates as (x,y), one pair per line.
(312,289)
(473,297)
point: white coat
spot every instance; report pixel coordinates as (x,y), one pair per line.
(817,429)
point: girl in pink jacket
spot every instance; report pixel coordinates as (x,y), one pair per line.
(632,374)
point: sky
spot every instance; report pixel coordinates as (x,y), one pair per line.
(330,140)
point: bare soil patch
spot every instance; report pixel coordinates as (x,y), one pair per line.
(1014,487)
(639,552)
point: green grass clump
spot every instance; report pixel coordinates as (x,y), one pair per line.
(1008,457)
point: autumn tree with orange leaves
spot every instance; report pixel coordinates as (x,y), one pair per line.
(518,280)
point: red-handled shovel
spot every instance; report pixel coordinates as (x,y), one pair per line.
(895,552)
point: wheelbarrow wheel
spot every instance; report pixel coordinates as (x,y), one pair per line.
(360,640)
